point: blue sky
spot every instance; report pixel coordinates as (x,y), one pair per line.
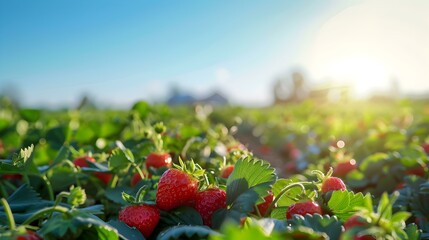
(122,51)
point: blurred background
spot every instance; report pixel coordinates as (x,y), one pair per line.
(56,54)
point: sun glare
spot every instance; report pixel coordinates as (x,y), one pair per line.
(362,73)
(373,46)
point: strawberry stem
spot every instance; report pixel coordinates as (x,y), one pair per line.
(282,192)
(45,211)
(9,214)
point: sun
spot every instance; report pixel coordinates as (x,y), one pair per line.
(370,44)
(361,72)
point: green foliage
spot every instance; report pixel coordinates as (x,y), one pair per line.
(186,232)
(326,224)
(344,203)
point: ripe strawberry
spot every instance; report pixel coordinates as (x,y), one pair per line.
(175,188)
(136,178)
(263,207)
(355,221)
(343,168)
(302,208)
(425,147)
(143,217)
(158,160)
(417,170)
(226,171)
(83,162)
(333,184)
(30,235)
(235,146)
(12,176)
(208,201)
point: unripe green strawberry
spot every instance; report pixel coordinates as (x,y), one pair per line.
(143,217)
(208,201)
(333,184)
(302,208)
(175,188)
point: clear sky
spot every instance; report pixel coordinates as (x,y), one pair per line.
(121,51)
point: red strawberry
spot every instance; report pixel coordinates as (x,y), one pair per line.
(136,178)
(236,146)
(175,188)
(355,221)
(302,208)
(30,235)
(425,147)
(143,217)
(263,207)
(208,201)
(158,160)
(226,171)
(333,184)
(417,170)
(343,168)
(12,176)
(83,162)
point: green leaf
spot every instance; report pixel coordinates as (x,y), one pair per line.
(326,224)
(250,179)
(126,232)
(186,232)
(385,207)
(121,158)
(413,231)
(115,194)
(344,203)
(287,198)
(400,216)
(232,231)
(24,202)
(183,215)
(77,224)
(20,160)
(30,115)
(279,213)
(57,136)
(62,154)
(142,108)
(254,171)
(128,198)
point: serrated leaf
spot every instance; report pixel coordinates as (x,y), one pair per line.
(126,232)
(412,231)
(345,203)
(78,224)
(250,179)
(20,160)
(279,213)
(254,171)
(400,216)
(326,224)
(186,232)
(120,158)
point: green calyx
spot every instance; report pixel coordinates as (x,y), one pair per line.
(191,168)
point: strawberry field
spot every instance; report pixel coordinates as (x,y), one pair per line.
(307,171)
